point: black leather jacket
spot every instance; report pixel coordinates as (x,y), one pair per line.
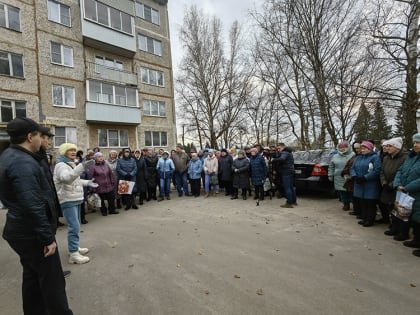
(29,198)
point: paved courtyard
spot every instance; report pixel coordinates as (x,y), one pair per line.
(222,256)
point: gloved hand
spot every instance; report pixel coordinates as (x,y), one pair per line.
(330,178)
(88,163)
(92,184)
(360,179)
(236,170)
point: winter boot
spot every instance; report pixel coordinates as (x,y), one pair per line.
(119,204)
(83,251)
(77,258)
(346,206)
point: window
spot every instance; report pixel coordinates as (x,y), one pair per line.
(154,108)
(110,17)
(152,77)
(147,13)
(64,134)
(108,63)
(11,109)
(150,45)
(155,139)
(9,17)
(59,13)
(63,96)
(11,64)
(111,94)
(62,55)
(112,138)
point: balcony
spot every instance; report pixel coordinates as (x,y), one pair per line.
(112,103)
(109,28)
(104,73)
(112,114)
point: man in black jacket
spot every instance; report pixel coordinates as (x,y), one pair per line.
(287,170)
(31,220)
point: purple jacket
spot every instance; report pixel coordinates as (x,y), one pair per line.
(103,176)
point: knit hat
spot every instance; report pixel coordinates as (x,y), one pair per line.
(241,152)
(21,126)
(395,142)
(165,152)
(137,150)
(224,150)
(97,154)
(254,150)
(65,147)
(211,151)
(367,144)
(343,144)
(416,137)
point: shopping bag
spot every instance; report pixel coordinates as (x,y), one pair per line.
(214,180)
(125,187)
(93,202)
(403,206)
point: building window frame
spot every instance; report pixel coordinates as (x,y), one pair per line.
(150,45)
(64,49)
(11,63)
(64,134)
(61,8)
(116,94)
(156,138)
(112,138)
(147,13)
(11,108)
(105,62)
(152,77)
(66,94)
(108,19)
(154,108)
(6,17)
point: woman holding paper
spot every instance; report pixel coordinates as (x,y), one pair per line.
(127,170)
(408,180)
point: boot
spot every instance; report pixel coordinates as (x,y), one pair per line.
(416,252)
(104,212)
(206,195)
(286,205)
(160,198)
(234,197)
(119,204)
(77,258)
(346,206)
(415,242)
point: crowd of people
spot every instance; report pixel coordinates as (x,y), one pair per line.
(370,179)
(36,191)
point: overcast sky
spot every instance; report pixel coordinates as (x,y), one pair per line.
(227,10)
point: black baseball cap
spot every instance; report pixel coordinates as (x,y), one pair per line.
(21,126)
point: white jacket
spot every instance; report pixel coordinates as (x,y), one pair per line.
(68,183)
(211,164)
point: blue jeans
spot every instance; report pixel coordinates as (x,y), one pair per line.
(207,184)
(72,214)
(165,186)
(289,189)
(181,182)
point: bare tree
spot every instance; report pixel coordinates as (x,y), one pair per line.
(212,88)
(395,28)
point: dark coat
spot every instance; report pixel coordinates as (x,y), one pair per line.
(102,173)
(127,169)
(225,168)
(152,178)
(241,177)
(141,175)
(29,198)
(390,166)
(285,162)
(408,176)
(258,169)
(368,168)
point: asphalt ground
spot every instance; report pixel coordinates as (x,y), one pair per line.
(220,256)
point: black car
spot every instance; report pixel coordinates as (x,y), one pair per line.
(311,170)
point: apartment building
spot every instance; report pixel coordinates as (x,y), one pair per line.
(98,72)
